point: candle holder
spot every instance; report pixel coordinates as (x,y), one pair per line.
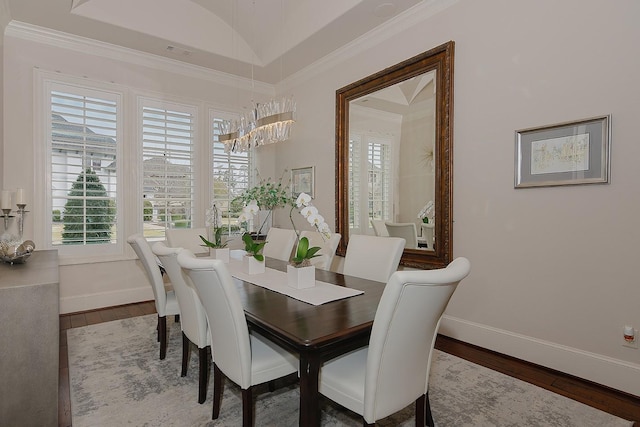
(6,214)
(21,213)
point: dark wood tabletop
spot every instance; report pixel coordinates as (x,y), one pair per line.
(316,333)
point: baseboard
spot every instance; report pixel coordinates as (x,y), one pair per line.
(613,373)
(76,304)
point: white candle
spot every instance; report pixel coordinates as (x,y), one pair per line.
(20,197)
(6,199)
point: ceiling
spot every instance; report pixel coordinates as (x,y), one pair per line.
(264,39)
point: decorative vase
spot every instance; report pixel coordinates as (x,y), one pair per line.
(301,277)
(250,265)
(220,253)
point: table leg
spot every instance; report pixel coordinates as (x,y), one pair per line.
(309,396)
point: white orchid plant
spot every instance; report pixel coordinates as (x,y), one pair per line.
(213,219)
(427,213)
(304,253)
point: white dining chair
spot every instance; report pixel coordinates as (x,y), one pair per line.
(427,234)
(389,374)
(379,228)
(372,257)
(406,230)
(244,357)
(166,301)
(193,319)
(328,247)
(280,242)
(187,238)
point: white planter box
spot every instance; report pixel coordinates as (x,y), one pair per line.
(301,277)
(250,265)
(220,253)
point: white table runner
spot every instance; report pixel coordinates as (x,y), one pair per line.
(276,281)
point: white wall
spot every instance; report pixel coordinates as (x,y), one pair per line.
(553,278)
(553,275)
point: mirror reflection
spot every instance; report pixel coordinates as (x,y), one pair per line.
(391,159)
(394,157)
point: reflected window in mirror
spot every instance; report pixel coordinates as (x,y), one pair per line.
(370,160)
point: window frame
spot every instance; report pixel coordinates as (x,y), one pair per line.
(197,207)
(47,82)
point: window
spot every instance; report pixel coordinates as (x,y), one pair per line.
(369,157)
(231,177)
(168,136)
(83,138)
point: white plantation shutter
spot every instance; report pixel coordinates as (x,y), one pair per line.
(379,182)
(231,178)
(168,135)
(84,137)
(370,169)
(355,160)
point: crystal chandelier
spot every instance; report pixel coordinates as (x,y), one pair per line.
(265,124)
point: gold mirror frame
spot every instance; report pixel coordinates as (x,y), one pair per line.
(439,59)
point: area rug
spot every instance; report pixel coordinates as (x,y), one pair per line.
(117,379)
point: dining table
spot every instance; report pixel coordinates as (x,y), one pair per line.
(315,332)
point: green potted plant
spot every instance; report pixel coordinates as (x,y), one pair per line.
(253,261)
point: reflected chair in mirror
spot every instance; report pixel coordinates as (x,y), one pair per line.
(187,238)
(328,248)
(427,234)
(244,357)
(193,319)
(280,242)
(379,228)
(373,257)
(406,230)
(166,301)
(389,374)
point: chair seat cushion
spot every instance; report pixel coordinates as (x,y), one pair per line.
(342,379)
(269,361)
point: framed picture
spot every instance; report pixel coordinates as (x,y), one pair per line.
(302,181)
(563,154)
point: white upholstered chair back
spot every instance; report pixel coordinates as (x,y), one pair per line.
(166,301)
(245,358)
(427,234)
(379,228)
(372,257)
(228,326)
(406,230)
(393,371)
(193,319)
(152,271)
(328,246)
(187,238)
(280,242)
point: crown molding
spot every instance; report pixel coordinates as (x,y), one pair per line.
(89,46)
(400,23)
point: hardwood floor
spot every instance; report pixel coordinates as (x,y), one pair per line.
(617,403)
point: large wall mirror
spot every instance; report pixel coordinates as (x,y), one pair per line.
(394,156)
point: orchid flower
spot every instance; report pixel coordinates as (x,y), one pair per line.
(303,200)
